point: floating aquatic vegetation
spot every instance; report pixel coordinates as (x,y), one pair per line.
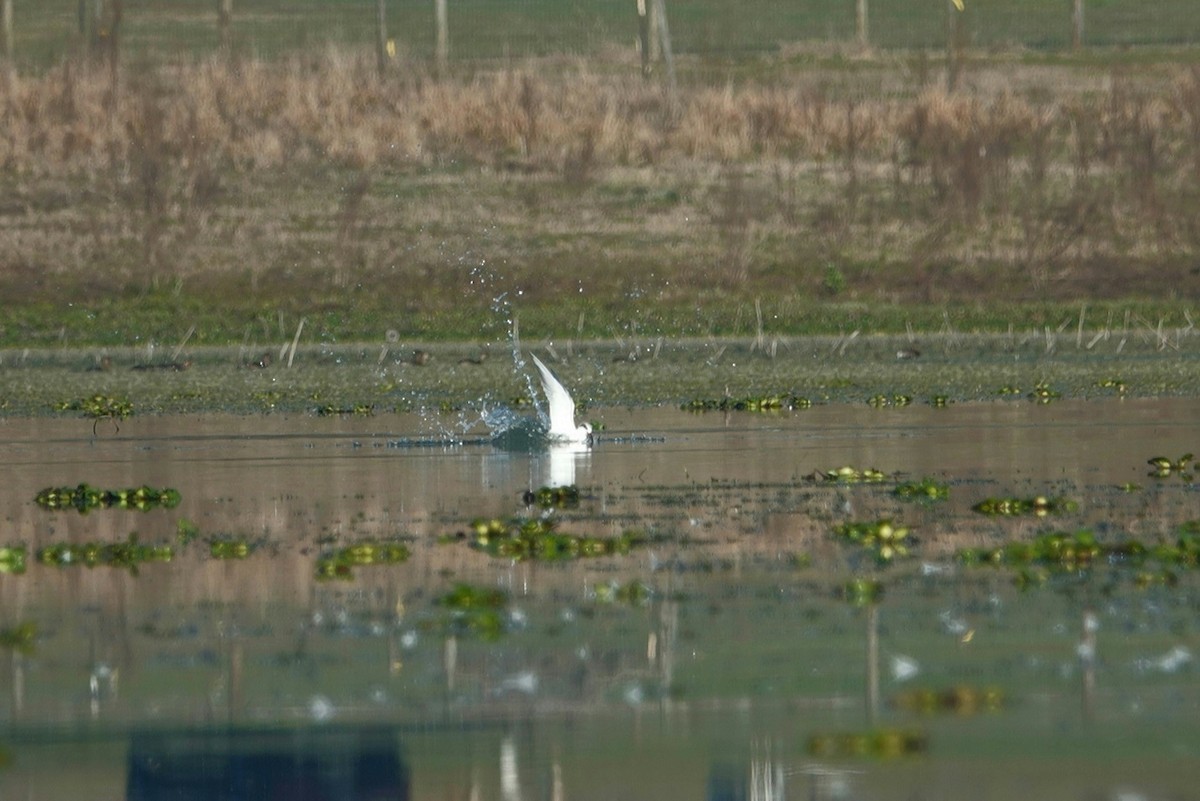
(84,497)
(340,564)
(186,531)
(1186,550)
(1040,506)
(99,407)
(12,559)
(927,489)
(1057,549)
(761,403)
(20,637)
(881,400)
(873,744)
(359,409)
(1077,552)
(849,475)
(633,593)
(1043,393)
(128,555)
(1164,467)
(230,548)
(566,497)
(268,398)
(861,592)
(961,699)
(475,610)
(882,537)
(537,539)
(1162,577)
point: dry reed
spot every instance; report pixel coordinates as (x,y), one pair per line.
(1036,180)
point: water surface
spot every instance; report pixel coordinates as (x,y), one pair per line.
(721,677)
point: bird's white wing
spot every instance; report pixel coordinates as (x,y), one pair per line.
(561,407)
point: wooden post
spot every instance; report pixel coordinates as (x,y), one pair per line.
(861,28)
(381,39)
(225,24)
(1076,24)
(872,664)
(6,38)
(87,27)
(644,36)
(956,43)
(442,53)
(116,10)
(655,32)
(660,11)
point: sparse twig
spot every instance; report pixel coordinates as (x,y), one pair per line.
(295,342)
(179,348)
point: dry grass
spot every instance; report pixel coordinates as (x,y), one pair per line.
(255,114)
(560,174)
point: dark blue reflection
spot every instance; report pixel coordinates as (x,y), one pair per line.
(296,765)
(727,782)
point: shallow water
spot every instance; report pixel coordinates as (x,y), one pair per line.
(722,678)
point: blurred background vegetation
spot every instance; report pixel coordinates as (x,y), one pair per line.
(215,165)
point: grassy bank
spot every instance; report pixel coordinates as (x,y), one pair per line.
(187,29)
(453,383)
(234,199)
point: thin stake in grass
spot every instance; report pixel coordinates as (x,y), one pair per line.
(178,348)
(295,342)
(845,343)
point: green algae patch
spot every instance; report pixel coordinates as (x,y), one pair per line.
(12,559)
(474,610)
(847,474)
(871,744)
(1043,393)
(230,548)
(565,497)
(186,531)
(1080,554)
(927,489)
(83,498)
(963,700)
(354,410)
(757,403)
(881,538)
(631,593)
(1038,506)
(19,638)
(1164,467)
(881,400)
(340,564)
(538,539)
(99,407)
(861,592)
(128,555)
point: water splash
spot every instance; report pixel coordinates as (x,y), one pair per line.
(486,419)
